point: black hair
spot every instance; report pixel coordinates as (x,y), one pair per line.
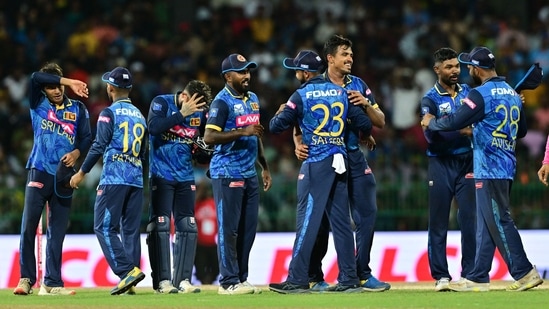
(52,68)
(336,40)
(200,87)
(444,54)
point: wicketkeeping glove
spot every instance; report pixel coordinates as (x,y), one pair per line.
(201,152)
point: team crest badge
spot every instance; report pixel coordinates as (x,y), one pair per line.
(69,116)
(254,106)
(195,122)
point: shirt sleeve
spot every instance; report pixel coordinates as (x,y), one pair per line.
(103,137)
(157,121)
(428,106)
(546,157)
(289,115)
(359,120)
(367,93)
(217,115)
(471,111)
(38,80)
(84,136)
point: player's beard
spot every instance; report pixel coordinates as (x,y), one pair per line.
(476,79)
(448,80)
(243,86)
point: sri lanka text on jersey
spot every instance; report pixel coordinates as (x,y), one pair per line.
(56,128)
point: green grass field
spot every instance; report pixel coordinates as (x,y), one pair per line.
(401,295)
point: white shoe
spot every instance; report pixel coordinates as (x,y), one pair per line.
(249,285)
(466,285)
(57,290)
(23,287)
(531,280)
(442,284)
(235,289)
(166,287)
(186,287)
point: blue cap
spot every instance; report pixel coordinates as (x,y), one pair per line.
(236,62)
(306,60)
(119,77)
(480,57)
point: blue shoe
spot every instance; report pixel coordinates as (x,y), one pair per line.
(373,285)
(132,278)
(340,288)
(319,286)
(289,288)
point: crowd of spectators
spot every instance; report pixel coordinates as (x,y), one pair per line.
(393,43)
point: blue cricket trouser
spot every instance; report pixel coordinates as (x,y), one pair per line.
(169,197)
(320,190)
(39,190)
(119,208)
(362,197)
(495,228)
(449,177)
(237,203)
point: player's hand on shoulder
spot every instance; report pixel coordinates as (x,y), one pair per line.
(357,98)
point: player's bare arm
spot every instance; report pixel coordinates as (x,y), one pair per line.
(76,179)
(426,120)
(78,87)
(467,131)
(214,137)
(301,150)
(280,108)
(543,173)
(265,172)
(69,159)
(374,112)
(370,142)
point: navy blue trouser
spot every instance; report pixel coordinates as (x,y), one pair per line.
(118,208)
(362,198)
(320,190)
(171,197)
(496,228)
(39,190)
(237,203)
(167,198)
(449,177)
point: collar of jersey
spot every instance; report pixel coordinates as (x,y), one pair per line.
(127,100)
(233,92)
(346,79)
(62,105)
(443,91)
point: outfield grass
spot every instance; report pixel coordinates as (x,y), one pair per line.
(408,295)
